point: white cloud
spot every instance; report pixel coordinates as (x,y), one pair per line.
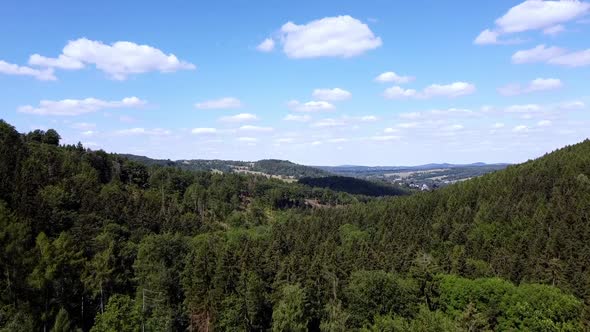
(390,130)
(310,106)
(61,62)
(297,118)
(255,128)
(544,123)
(451,90)
(390,76)
(204,131)
(498,125)
(89,132)
(540,53)
(554,30)
(242,117)
(71,107)
(143,131)
(396,92)
(222,103)
(527,108)
(454,127)
(520,129)
(368,118)
(12,69)
(410,115)
(572,59)
(534,15)
(335,94)
(553,55)
(118,60)
(266,45)
(572,105)
(539,84)
(329,123)
(487,37)
(341,36)
(285,140)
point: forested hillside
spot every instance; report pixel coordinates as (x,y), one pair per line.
(354,186)
(267,166)
(93,241)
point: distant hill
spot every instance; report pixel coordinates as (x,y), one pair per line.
(432,175)
(269,167)
(354,186)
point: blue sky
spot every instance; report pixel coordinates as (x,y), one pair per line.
(322,83)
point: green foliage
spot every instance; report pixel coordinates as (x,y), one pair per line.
(354,186)
(122,314)
(62,322)
(175,249)
(501,305)
(372,293)
(289,313)
(336,318)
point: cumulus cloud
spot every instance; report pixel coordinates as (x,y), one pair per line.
(526,108)
(390,76)
(12,69)
(368,118)
(266,45)
(118,60)
(572,59)
(544,123)
(534,15)
(390,130)
(335,94)
(242,117)
(71,107)
(310,106)
(572,105)
(554,30)
(340,36)
(553,55)
(203,131)
(451,90)
(487,37)
(255,128)
(520,129)
(539,84)
(222,103)
(539,53)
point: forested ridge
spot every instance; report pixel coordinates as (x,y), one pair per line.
(93,241)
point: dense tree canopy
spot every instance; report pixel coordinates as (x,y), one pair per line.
(93,241)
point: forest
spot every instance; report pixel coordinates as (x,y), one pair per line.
(92,241)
